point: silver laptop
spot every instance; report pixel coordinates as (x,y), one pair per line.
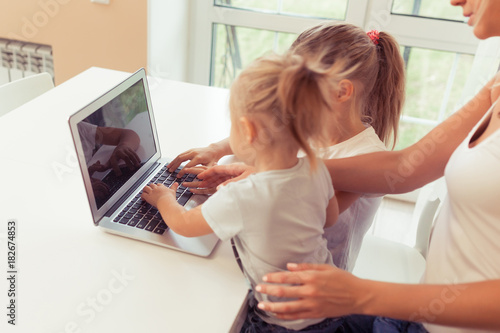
(117,147)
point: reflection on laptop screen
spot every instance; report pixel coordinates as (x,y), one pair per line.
(117,139)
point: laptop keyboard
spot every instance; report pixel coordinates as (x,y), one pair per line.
(139,214)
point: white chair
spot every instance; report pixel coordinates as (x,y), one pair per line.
(385,260)
(16,93)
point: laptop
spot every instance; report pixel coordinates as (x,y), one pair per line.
(117,147)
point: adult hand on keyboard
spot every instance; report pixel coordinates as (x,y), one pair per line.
(206,156)
(211,178)
(196,186)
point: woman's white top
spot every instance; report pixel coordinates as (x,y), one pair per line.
(465,243)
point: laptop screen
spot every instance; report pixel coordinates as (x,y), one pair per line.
(116,140)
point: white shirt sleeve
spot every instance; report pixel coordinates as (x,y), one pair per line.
(223,213)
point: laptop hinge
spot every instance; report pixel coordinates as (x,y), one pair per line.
(127,194)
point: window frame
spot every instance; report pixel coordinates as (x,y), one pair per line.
(205,14)
(422,32)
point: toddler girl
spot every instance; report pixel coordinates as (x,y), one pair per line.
(278,106)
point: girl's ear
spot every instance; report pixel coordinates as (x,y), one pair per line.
(345,91)
(248,129)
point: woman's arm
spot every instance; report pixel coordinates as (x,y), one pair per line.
(346,199)
(326,291)
(408,169)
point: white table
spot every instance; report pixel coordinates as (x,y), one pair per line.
(73,277)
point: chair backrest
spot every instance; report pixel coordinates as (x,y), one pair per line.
(16,93)
(426,207)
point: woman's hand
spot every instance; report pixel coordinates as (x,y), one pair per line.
(197,186)
(219,175)
(207,156)
(322,291)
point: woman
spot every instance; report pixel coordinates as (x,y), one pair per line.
(461,287)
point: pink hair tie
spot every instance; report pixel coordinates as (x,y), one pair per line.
(374,36)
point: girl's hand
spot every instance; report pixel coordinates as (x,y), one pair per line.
(321,290)
(152,193)
(204,156)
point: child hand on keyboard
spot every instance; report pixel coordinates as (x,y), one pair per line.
(181,221)
(152,193)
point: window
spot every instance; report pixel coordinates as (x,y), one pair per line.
(435,81)
(437,45)
(321,9)
(235,47)
(428,8)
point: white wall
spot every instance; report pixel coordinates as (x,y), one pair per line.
(168,42)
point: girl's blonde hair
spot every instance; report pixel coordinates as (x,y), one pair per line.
(292,90)
(379,68)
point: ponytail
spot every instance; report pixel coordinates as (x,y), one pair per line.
(303,93)
(385,102)
(293,91)
(379,67)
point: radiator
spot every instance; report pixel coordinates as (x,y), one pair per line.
(23,59)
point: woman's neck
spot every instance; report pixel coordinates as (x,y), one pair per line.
(275,158)
(342,129)
(342,123)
